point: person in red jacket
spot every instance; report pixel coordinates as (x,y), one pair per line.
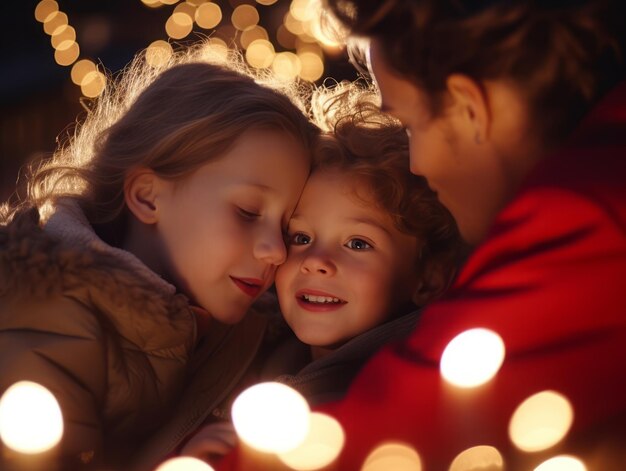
(517,119)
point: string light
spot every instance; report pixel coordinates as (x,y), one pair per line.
(472,358)
(541,421)
(396,456)
(30,418)
(478,458)
(208,15)
(562,463)
(184,463)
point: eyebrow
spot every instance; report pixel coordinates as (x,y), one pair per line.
(370,222)
(258,186)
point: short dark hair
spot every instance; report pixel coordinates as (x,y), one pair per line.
(564,55)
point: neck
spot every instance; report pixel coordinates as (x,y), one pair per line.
(319,352)
(141,241)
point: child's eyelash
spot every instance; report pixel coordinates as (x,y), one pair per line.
(247,214)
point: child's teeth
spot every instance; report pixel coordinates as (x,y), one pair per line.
(320,299)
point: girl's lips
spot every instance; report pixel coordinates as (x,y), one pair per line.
(318,306)
(250,286)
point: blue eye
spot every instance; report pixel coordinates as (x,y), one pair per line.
(358,244)
(300,239)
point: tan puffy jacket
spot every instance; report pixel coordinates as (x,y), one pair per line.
(107,336)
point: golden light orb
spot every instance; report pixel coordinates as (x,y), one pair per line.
(62,33)
(252,34)
(158,53)
(169,2)
(178,25)
(478,458)
(562,463)
(244,17)
(266,2)
(286,65)
(184,463)
(541,421)
(44,9)
(260,54)
(152,3)
(208,15)
(66,53)
(186,8)
(293,25)
(54,21)
(30,418)
(312,66)
(285,37)
(393,456)
(472,358)
(93,84)
(321,446)
(302,10)
(271,417)
(80,69)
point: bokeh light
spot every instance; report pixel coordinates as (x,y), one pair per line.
(178,25)
(271,417)
(541,421)
(44,9)
(158,53)
(208,15)
(62,34)
(80,69)
(66,53)
(30,418)
(562,463)
(393,456)
(478,458)
(54,21)
(252,34)
(266,2)
(472,358)
(186,8)
(312,66)
(184,463)
(260,53)
(245,17)
(286,66)
(321,446)
(93,84)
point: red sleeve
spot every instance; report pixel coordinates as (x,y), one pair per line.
(551,281)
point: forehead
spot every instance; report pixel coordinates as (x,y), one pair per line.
(400,96)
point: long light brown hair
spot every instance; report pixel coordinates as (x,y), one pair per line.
(171,119)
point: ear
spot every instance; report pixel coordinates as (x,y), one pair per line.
(432,286)
(471,101)
(141,190)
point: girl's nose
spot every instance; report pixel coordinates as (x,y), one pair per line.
(318,263)
(270,248)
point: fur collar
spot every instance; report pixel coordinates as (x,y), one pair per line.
(65,257)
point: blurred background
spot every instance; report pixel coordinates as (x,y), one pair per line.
(54,54)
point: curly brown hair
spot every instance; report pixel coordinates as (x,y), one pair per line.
(372,147)
(563,55)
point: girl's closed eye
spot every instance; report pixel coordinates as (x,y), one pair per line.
(247,215)
(358,244)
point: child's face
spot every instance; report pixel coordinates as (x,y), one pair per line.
(222,228)
(348,267)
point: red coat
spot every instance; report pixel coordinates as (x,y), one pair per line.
(551,281)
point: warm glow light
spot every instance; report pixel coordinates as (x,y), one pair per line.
(169,2)
(93,84)
(62,33)
(302,10)
(541,421)
(44,9)
(260,53)
(252,34)
(208,15)
(472,358)
(186,8)
(271,417)
(158,53)
(294,26)
(392,456)
(66,53)
(178,25)
(321,446)
(30,418)
(562,463)
(266,2)
(152,3)
(184,463)
(80,70)
(312,66)
(244,17)
(478,458)
(54,21)
(286,65)
(285,37)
